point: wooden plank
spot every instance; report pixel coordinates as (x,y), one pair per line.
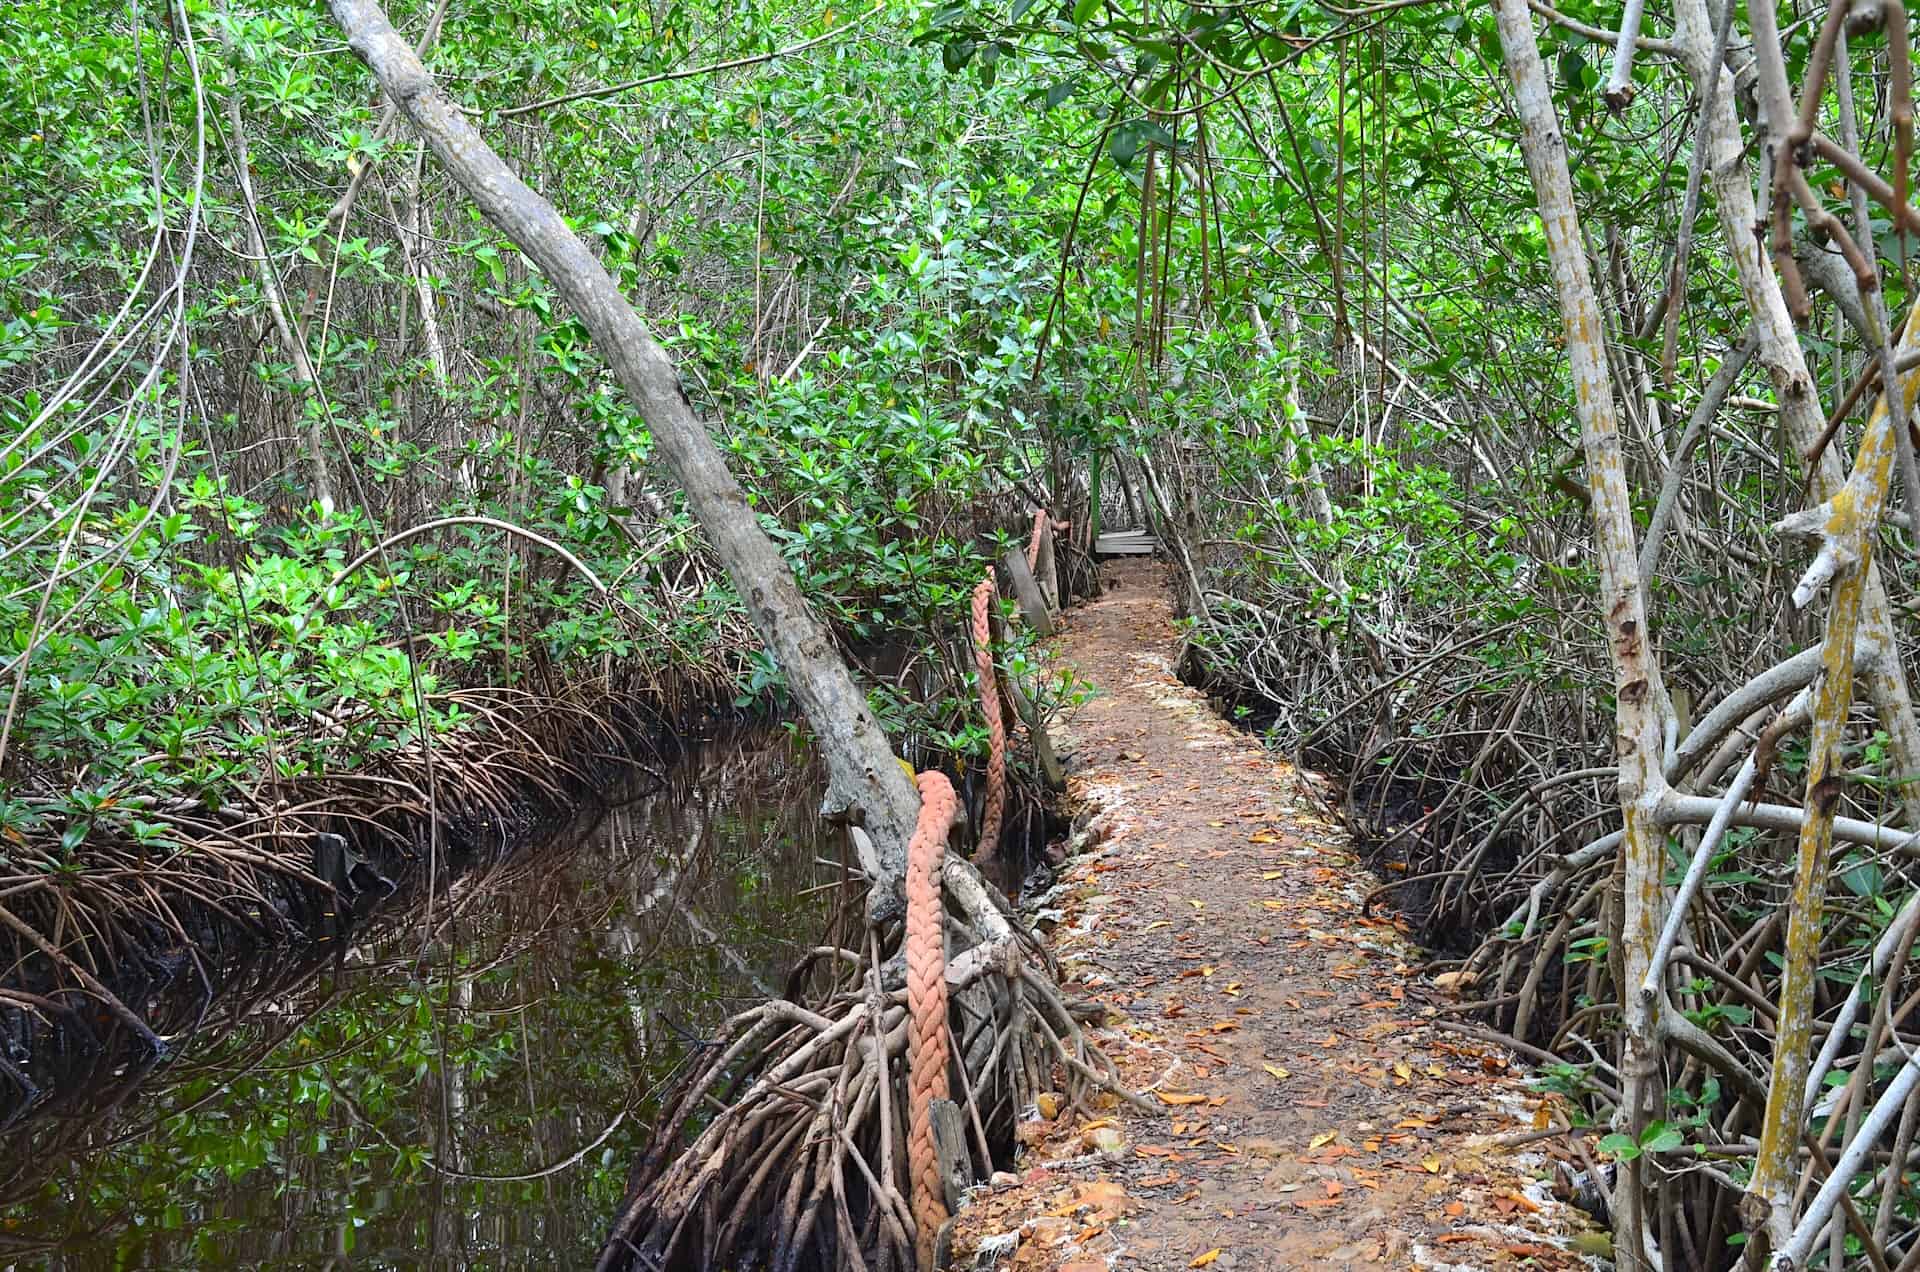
(1045,572)
(1126,543)
(950,1146)
(1050,767)
(1051,770)
(1033,605)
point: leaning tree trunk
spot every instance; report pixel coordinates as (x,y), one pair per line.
(1641,702)
(865,784)
(783,1166)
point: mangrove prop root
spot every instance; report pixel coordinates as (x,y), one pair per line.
(801,1136)
(795,1109)
(927,1004)
(83,926)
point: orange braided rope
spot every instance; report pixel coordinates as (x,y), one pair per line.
(927,1007)
(983,596)
(928,1044)
(996,807)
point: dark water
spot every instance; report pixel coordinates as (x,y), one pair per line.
(341,1113)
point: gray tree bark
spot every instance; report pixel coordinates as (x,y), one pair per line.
(1778,351)
(865,783)
(1641,707)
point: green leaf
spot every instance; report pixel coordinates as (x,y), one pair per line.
(1620,1146)
(1134,133)
(1863,880)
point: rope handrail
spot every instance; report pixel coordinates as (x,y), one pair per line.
(926,954)
(927,1006)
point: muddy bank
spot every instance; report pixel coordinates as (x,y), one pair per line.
(1439,785)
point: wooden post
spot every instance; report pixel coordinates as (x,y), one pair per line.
(1050,766)
(1033,604)
(1046,572)
(950,1144)
(1093,496)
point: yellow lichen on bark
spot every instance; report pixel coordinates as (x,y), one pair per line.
(1851,526)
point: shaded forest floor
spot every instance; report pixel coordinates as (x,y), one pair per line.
(1312,1112)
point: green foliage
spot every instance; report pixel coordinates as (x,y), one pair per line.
(174,576)
(1657,1137)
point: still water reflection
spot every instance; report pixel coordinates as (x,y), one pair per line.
(468,1098)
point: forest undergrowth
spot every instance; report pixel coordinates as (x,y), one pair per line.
(1518,393)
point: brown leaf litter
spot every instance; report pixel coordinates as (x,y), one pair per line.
(1311,1115)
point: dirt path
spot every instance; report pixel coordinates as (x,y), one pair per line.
(1314,1116)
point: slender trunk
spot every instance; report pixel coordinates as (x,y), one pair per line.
(1848,526)
(1318,502)
(865,784)
(1778,350)
(1093,499)
(1641,701)
(292,338)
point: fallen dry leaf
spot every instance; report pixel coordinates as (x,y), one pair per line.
(1104,1198)
(1180,1097)
(1202,1260)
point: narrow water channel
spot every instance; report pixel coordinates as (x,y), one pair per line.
(448,1097)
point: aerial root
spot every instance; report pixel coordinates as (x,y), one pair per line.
(785,1143)
(84,924)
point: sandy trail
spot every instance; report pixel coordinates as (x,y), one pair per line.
(1314,1115)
